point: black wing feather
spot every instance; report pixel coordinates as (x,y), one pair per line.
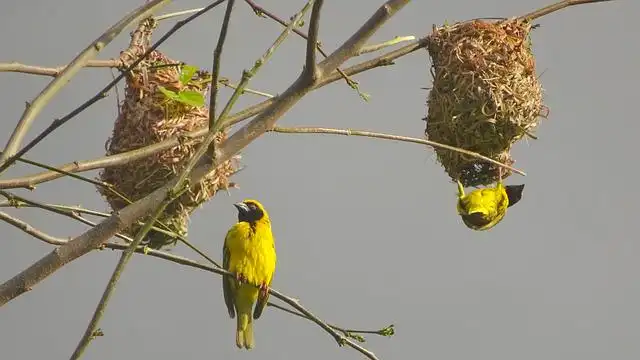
(227,287)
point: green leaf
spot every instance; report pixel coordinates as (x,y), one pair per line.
(187,73)
(192,98)
(168,93)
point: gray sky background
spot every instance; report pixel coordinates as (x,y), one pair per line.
(367,233)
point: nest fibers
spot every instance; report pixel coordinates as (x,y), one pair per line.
(485,95)
(146,117)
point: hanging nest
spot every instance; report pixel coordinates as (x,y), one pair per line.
(148,116)
(485,95)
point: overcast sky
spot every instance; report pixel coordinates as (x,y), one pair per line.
(366,230)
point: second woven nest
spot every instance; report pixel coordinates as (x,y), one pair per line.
(147,117)
(485,95)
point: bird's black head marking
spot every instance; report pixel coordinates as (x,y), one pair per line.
(249,211)
(475,220)
(514,193)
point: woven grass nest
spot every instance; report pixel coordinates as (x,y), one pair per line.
(146,117)
(485,95)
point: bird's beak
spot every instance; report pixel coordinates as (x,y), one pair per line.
(242,207)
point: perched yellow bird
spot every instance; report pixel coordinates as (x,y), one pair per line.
(249,252)
(482,209)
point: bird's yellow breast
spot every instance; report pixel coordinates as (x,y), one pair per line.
(483,208)
(252,252)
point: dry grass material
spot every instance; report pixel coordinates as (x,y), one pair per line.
(485,95)
(146,117)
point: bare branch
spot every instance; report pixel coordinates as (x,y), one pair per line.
(311,68)
(177,13)
(555,7)
(376,135)
(49,239)
(375,47)
(217,269)
(126,157)
(215,68)
(113,281)
(260,11)
(340,339)
(31,230)
(33,109)
(55,71)
(358,40)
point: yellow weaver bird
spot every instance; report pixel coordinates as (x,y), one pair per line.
(249,252)
(482,209)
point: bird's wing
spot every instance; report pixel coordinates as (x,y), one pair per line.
(227,286)
(263,298)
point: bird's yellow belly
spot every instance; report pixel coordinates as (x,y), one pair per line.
(255,263)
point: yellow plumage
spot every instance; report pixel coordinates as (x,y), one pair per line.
(482,209)
(249,252)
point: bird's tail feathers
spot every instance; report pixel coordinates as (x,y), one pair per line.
(244,331)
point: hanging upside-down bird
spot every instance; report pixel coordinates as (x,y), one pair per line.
(249,252)
(482,209)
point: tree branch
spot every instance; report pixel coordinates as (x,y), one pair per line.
(55,71)
(310,65)
(215,68)
(260,11)
(49,239)
(91,51)
(352,46)
(388,331)
(124,218)
(115,277)
(376,135)
(126,157)
(555,7)
(31,230)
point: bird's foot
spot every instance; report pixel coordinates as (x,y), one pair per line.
(240,278)
(264,290)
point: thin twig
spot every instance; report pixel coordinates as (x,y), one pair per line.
(222,120)
(55,71)
(376,135)
(314,24)
(19,201)
(555,7)
(375,47)
(215,68)
(100,95)
(52,89)
(176,14)
(386,331)
(137,154)
(226,82)
(31,230)
(260,11)
(52,240)
(49,239)
(101,184)
(115,277)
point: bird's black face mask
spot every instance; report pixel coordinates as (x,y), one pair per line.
(514,193)
(249,212)
(475,220)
